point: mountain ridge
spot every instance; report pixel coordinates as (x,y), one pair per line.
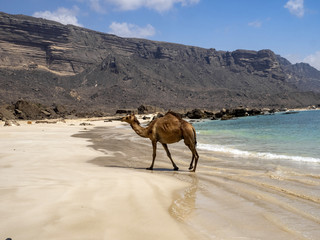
(45,61)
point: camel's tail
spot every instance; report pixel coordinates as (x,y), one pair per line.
(195,137)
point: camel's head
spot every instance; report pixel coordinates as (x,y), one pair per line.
(130,119)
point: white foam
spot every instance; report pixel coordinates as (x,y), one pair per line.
(248,154)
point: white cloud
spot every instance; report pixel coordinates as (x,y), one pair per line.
(313,60)
(255,24)
(295,7)
(62,15)
(131,30)
(126,5)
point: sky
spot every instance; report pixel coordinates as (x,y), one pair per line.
(290,28)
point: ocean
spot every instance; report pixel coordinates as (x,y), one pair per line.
(279,137)
(258,178)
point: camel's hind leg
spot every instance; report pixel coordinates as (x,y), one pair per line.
(165,146)
(195,156)
(191,164)
(190,140)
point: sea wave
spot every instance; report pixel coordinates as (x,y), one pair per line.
(261,155)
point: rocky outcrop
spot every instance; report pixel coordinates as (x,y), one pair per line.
(45,61)
(226,114)
(195,114)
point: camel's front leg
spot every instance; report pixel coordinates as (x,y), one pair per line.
(165,146)
(154,145)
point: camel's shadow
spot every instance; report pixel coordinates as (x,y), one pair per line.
(125,164)
(146,170)
(161,170)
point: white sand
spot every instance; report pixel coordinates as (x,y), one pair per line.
(49,191)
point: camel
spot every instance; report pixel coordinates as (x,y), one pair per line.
(170,128)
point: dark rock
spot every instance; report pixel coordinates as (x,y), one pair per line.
(227,117)
(142,109)
(240,112)
(214,117)
(195,114)
(85,124)
(145,109)
(110,64)
(291,112)
(208,114)
(27,110)
(59,109)
(124,111)
(219,115)
(254,111)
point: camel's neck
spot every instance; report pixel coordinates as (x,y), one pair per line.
(141,131)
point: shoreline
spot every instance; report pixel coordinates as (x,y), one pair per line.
(28,110)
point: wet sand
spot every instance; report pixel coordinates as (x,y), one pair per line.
(94,185)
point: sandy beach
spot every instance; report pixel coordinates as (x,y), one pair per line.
(66,181)
(48,190)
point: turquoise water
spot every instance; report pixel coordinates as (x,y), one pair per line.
(285,137)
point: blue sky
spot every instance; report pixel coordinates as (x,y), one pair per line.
(290,28)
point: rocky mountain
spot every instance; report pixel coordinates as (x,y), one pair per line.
(47,62)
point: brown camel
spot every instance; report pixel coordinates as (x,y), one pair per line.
(168,129)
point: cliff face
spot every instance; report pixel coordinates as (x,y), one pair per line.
(45,61)
(27,42)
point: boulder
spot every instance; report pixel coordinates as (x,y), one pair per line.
(142,109)
(27,110)
(145,109)
(208,114)
(59,109)
(254,112)
(218,115)
(240,112)
(124,111)
(227,117)
(195,114)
